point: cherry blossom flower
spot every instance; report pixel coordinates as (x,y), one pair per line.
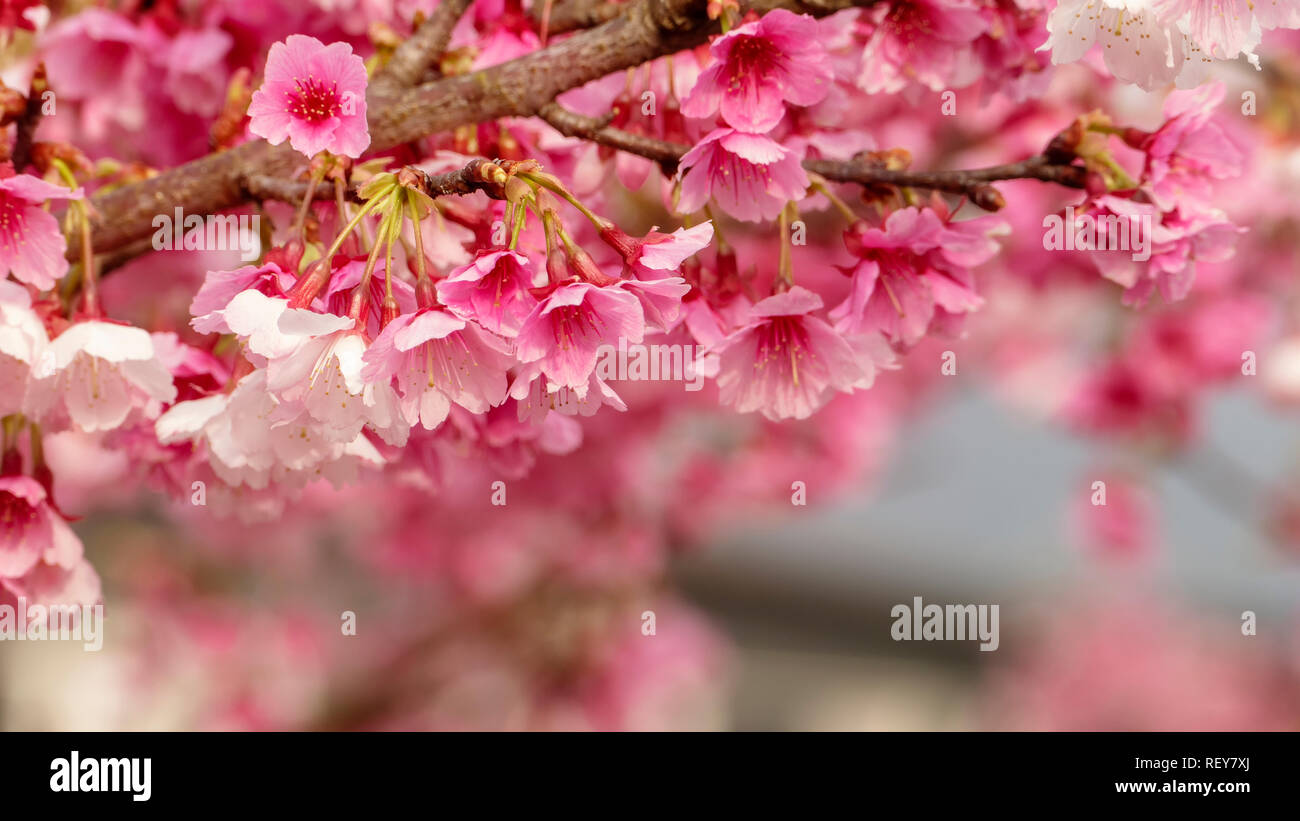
(314,96)
(926,41)
(658,255)
(101,60)
(31,243)
(494,290)
(63,577)
(437,359)
(322,375)
(750,176)
(249,438)
(661,299)
(536,396)
(254,318)
(23,342)
(911,271)
(344,280)
(196,73)
(220,288)
(29,528)
(758,68)
(1227,28)
(97,374)
(567,328)
(1138,45)
(41,559)
(1178,239)
(786,363)
(1191,150)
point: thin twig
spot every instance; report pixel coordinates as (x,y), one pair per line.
(972,182)
(572,124)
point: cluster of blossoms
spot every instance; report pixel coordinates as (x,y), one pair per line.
(394,348)
(1152,43)
(1169,206)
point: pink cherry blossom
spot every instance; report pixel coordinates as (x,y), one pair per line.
(565,330)
(758,68)
(28,526)
(1227,28)
(97,374)
(1191,150)
(536,396)
(31,242)
(220,288)
(57,581)
(1139,44)
(23,342)
(250,438)
(658,255)
(1178,240)
(661,299)
(786,363)
(749,175)
(100,59)
(322,375)
(196,74)
(438,359)
(494,290)
(314,96)
(926,41)
(41,558)
(909,272)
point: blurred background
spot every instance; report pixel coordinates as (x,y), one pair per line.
(793,608)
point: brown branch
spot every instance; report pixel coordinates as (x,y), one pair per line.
(973,183)
(520,87)
(571,15)
(422,49)
(25,128)
(479,174)
(266,187)
(572,124)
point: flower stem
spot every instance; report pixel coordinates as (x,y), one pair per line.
(820,185)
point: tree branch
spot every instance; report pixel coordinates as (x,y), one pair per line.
(25,128)
(973,183)
(479,174)
(572,124)
(422,49)
(520,87)
(266,187)
(571,15)
(953,182)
